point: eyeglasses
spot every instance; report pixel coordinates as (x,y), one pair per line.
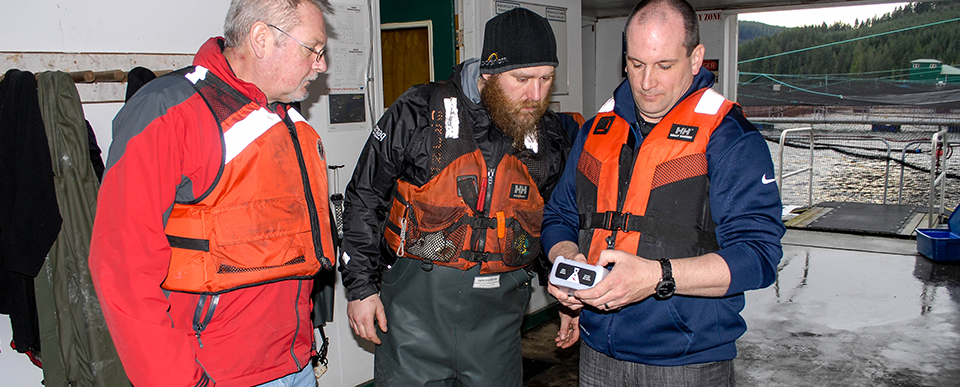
(319,53)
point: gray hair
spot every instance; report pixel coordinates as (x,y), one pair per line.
(282,13)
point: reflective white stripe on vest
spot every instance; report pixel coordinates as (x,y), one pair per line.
(295,115)
(451,118)
(198,74)
(607,106)
(530,141)
(246,131)
(709,103)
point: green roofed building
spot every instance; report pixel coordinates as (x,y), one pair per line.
(925,70)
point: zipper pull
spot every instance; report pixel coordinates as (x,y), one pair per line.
(198,330)
(482,194)
(484,185)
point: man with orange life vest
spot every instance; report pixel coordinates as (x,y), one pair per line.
(214,215)
(446,204)
(672,188)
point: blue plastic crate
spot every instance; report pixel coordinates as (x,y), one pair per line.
(941,244)
(938,244)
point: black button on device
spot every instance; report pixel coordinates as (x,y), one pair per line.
(582,276)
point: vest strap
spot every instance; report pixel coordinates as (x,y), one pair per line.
(479,256)
(189,243)
(480,222)
(650,227)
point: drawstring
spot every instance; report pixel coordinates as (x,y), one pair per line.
(403,235)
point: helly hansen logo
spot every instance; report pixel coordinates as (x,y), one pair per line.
(378,133)
(603,125)
(520,191)
(683,132)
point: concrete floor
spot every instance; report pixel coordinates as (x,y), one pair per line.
(846,310)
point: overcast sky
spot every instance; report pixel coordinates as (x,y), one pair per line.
(803,17)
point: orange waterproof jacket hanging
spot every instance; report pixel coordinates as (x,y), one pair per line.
(259,222)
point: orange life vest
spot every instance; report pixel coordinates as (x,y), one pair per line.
(469,212)
(266,218)
(653,202)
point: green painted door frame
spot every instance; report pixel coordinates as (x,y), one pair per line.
(444,30)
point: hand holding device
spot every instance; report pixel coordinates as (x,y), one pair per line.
(570,275)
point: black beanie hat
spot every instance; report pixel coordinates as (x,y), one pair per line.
(517,38)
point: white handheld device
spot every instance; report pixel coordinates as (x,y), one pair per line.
(570,275)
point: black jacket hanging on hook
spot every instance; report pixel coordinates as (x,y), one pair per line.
(136,78)
(29,216)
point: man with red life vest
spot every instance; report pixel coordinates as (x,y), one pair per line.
(442,216)
(214,215)
(671,188)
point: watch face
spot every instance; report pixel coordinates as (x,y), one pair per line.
(665,290)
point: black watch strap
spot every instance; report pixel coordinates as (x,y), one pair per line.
(666,269)
(667,286)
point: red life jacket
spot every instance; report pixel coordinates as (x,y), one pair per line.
(653,202)
(263,220)
(468,213)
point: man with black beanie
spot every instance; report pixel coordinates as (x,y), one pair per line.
(442,216)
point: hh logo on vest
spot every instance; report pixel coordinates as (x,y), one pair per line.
(683,132)
(603,126)
(519,191)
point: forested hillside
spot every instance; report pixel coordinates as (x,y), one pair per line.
(750,30)
(889,51)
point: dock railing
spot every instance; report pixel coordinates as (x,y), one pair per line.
(938,161)
(846,167)
(809,169)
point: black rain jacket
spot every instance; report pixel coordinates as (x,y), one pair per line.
(396,149)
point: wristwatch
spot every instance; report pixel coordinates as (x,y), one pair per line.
(667,286)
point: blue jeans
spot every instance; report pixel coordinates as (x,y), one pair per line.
(600,370)
(304,378)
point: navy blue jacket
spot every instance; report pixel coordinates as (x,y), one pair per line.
(746,207)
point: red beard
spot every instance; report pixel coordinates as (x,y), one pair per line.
(509,115)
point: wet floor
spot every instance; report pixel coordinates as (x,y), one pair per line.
(846,311)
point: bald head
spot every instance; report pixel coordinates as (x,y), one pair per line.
(661,11)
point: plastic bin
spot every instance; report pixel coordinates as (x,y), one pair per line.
(941,244)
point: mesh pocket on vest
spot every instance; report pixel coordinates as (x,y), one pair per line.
(435,232)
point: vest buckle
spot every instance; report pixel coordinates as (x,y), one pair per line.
(614,221)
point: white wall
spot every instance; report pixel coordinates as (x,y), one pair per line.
(92,27)
(105,26)
(588,35)
(609,59)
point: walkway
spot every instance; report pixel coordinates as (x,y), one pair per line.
(847,310)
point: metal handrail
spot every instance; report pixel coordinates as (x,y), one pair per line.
(781,175)
(886,172)
(903,161)
(940,178)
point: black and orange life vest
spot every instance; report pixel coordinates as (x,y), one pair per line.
(468,212)
(654,201)
(260,221)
